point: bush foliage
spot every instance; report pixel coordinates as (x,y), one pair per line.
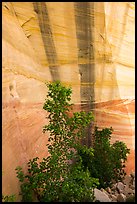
(72,171)
(109,159)
(57,178)
(8,198)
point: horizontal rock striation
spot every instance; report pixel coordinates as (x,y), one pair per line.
(87,46)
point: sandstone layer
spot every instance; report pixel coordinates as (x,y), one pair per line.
(86,45)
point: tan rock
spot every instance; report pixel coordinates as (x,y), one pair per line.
(127,190)
(132,187)
(133,174)
(108,189)
(101,196)
(120,186)
(127,180)
(103,190)
(114,186)
(121,198)
(134,183)
(113,198)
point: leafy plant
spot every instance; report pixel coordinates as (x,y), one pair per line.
(79,185)
(60,176)
(109,160)
(8,198)
(130,198)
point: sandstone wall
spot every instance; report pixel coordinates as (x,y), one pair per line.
(89,46)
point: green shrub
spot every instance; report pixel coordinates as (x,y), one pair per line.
(109,160)
(131,198)
(79,185)
(57,178)
(8,198)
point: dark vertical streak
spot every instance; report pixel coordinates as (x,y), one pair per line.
(84,21)
(41,9)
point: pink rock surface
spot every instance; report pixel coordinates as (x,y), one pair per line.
(22,139)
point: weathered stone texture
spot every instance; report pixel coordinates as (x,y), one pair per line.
(85,45)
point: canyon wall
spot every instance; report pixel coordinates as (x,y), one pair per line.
(86,45)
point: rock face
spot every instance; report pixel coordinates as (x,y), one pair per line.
(90,48)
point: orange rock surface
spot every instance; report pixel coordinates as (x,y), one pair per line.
(86,45)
